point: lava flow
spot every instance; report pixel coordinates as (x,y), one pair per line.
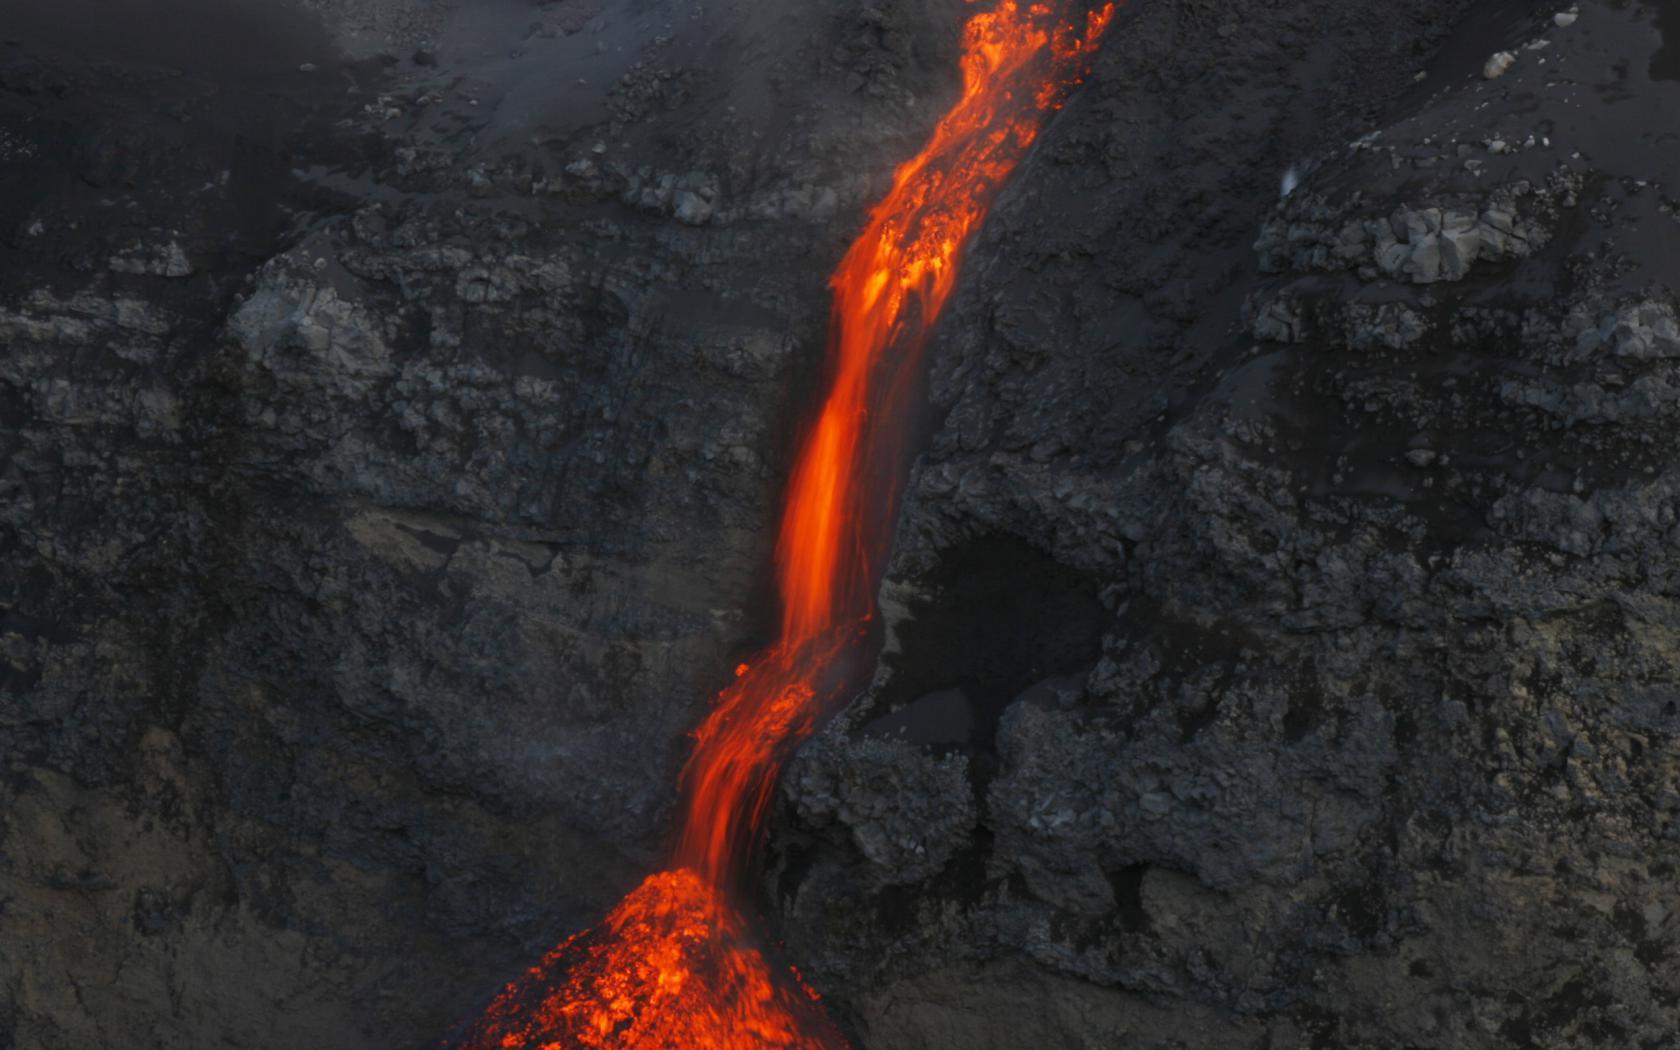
(674,965)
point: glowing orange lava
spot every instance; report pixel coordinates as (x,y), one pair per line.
(673,965)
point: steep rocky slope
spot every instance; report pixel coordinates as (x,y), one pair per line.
(1346,713)
(394,400)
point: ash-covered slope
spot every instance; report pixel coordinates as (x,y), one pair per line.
(394,400)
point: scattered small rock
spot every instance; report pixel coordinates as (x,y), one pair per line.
(693,209)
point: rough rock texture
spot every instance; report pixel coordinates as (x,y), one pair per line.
(1374,742)
(390,447)
(1279,639)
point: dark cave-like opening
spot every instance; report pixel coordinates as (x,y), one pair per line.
(1000,617)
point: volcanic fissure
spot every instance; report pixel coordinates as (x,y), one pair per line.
(674,963)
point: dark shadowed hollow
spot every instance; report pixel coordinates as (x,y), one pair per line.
(1280,626)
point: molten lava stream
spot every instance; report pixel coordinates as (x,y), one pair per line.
(674,964)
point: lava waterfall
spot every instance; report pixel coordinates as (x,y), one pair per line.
(674,964)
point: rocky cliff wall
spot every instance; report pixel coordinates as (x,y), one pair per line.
(395,398)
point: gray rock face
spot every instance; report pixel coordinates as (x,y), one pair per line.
(907,812)
(384,503)
(1376,743)
(1419,245)
(1279,638)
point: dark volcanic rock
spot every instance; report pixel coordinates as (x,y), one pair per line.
(1279,639)
(1378,747)
(387,482)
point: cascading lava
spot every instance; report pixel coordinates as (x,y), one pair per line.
(674,964)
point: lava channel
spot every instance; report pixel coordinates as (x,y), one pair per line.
(675,964)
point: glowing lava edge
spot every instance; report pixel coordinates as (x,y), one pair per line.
(674,964)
